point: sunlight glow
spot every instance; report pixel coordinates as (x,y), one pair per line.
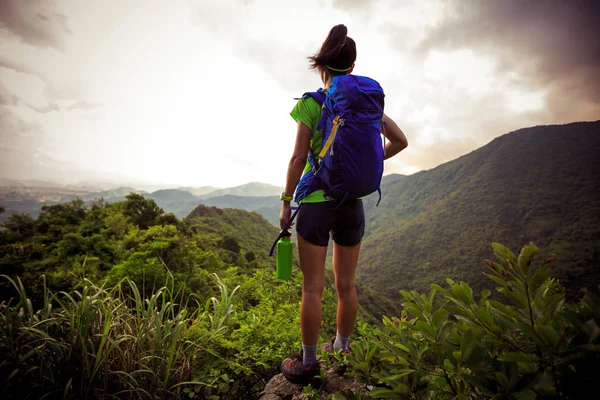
(521,101)
(462,68)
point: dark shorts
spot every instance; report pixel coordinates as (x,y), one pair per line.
(346,224)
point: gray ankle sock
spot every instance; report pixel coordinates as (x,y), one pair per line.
(341,343)
(309,355)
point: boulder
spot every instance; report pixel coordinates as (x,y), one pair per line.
(334,381)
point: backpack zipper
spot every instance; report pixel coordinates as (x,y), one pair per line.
(341,123)
(337,121)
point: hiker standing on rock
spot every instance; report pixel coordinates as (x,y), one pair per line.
(337,159)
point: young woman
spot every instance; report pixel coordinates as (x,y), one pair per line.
(319,217)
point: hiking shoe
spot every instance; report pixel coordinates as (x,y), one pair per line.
(296,372)
(328,347)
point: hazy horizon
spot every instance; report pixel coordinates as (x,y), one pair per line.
(198,93)
(138,185)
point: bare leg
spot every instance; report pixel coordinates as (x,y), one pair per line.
(312,263)
(345,259)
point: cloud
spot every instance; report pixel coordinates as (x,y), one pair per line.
(18,135)
(84,105)
(26,153)
(548,44)
(45,109)
(354,4)
(284,55)
(366,10)
(35,22)
(7,98)
(34,94)
(53,91)
(21,67)
(47,98)
(33,27)
(449,122)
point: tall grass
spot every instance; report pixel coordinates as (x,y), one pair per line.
(100,342)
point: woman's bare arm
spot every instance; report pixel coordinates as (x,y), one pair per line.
(295,168)
(397,139)
(298,160)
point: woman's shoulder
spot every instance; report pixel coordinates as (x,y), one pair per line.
(307,105)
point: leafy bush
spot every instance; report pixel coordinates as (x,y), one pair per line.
(261,328)
(454,346)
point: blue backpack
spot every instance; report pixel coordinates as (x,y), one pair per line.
(350,164)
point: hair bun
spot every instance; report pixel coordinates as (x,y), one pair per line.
(337,36)
(339,31)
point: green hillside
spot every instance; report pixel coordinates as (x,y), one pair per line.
(270,206)
(14,202)
(179,202)
(248,189)
(267,206)
(539,184)
(250,229)
(133,238)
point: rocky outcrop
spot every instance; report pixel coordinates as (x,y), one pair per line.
(279,388)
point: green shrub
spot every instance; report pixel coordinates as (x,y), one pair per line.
(454,346)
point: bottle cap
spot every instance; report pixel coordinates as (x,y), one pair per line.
(286,233)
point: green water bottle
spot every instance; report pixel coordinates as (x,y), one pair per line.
(284,256)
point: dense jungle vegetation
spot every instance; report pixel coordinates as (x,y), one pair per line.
(124,300)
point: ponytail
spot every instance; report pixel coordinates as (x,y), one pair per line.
(337,53)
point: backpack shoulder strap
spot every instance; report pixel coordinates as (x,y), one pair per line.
(319,96)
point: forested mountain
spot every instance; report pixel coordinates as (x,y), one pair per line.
(247,189)
(29,197)
(132,238)
(267,206)
(270,206)
(19,203)
(198,191)
(250,229)
(539,184)
(179,202)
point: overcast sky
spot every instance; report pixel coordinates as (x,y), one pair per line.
(199,92)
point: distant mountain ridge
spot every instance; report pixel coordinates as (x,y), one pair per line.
(539,184)
(198,191)
(252,189)
(26,197)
